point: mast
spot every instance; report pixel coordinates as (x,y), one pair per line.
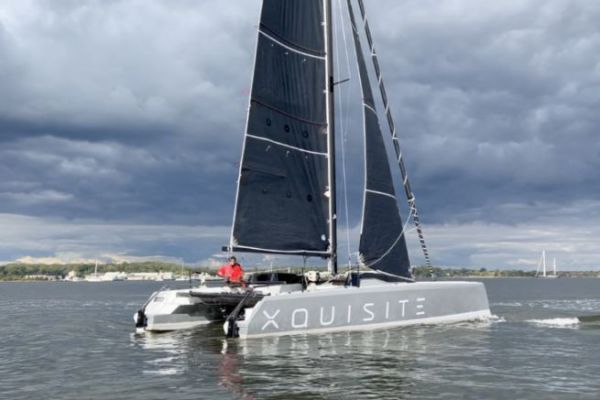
(332,265)
(544,262)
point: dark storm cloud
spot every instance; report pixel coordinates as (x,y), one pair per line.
(131,112)
(122,110)
(497,102)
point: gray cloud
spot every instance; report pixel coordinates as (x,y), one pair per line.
(497,101)
(88,239)
(131,112)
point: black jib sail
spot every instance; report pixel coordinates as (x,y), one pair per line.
(382,242)
(282,203)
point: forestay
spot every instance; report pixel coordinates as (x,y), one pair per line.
(382,243)
(282,204)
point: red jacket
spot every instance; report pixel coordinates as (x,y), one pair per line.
(225,271)
(237,273)
(232,273)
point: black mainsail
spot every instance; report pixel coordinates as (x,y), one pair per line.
(382,243)
(283,202)
(286,188)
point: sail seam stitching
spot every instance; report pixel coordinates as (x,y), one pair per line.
(277,110)
(286,145)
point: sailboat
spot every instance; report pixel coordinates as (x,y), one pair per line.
(286,194)
(286,197)
(95,277)
(542,267)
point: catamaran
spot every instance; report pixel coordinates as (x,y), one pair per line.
(286,196)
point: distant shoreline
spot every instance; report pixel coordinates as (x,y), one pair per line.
(19,272)
(420,279)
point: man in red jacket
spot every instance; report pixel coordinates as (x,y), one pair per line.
(232,272)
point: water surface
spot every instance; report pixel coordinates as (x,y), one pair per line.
(76,341)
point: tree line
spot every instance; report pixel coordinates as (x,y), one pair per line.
(19,271)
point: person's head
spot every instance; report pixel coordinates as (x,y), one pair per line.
(232,260)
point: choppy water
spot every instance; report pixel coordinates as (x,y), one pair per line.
(75,341)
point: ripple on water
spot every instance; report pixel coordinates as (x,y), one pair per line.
(577,305)
(556,322)
(58,345)
(507,304)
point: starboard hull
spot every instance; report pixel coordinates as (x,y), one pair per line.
(170,310)
(372,306)
(173,322)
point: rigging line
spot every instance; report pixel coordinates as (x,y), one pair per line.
(343,126)
(406,183)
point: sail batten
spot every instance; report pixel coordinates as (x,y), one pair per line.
(382,243)
(286,145)
(281,205)
(299,252)
(392,195)
(291,46)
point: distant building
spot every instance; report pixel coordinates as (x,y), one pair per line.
(151,276)
(72,277)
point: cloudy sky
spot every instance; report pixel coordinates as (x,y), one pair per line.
(121,124)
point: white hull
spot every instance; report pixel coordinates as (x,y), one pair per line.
(286,309)
(170,310)
(170,322)
(374,305)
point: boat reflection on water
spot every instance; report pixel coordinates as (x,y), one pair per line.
(229,373)
(201,356)
(392,363)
